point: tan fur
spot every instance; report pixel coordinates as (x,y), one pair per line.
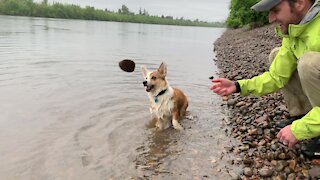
(181,102)
(169,107)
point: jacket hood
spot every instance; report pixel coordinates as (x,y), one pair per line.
(313,11)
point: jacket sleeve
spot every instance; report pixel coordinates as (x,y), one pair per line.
(280,71)
(309,126)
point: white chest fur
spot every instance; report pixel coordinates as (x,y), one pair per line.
(163,106)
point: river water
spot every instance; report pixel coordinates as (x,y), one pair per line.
(69,112)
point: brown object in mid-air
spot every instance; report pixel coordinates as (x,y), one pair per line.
(127,65)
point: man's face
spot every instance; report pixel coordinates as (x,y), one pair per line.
(283,15)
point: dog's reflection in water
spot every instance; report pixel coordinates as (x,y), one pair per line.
(159,146)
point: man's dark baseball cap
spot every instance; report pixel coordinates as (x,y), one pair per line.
(265,5)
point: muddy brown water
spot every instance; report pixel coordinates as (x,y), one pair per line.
(69,112)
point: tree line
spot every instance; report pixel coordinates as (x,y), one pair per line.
(241,15)
(70,11)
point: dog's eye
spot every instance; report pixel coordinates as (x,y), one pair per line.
(153,78)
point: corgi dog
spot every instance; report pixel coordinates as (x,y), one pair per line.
(168,105)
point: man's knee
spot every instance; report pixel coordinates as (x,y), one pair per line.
(273,54)
(309,65)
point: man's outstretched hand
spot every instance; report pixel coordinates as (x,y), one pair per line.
(286,137)
(223,86)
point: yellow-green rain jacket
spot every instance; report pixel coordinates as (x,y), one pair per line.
(300,39)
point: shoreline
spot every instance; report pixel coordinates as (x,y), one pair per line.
(243,54)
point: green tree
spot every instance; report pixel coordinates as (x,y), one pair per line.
(145,12)
(241,14)
(124,10)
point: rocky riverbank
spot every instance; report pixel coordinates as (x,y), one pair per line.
(243,53)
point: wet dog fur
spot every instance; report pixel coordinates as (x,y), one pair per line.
(168,105)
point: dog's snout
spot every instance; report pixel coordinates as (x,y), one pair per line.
(145,83)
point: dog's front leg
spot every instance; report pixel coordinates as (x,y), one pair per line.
(152,108)
(153,112)
(175,119)
(159,124)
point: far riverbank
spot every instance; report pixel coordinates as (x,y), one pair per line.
(71,11)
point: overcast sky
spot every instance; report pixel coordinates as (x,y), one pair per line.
(206,10)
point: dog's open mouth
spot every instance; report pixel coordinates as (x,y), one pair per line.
(149,88)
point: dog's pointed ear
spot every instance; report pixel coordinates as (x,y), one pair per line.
(163,69)
(145,71)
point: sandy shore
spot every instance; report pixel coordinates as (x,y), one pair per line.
(243,53)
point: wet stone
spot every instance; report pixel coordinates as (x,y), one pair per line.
(247,171)
(225,98)
(249,138)
(300,175)
(278,112)
(270,156)
(258,108)
(261,119)
(241,103)
(234,176)
(228,148)
(282,156)
(247,161)
(274,147)
(305,173)
(291,176)
(281,165)
(260,131)
(292,164)
(243,128)
(251,152)
(248,121)
(288,170)
(315,172)
(292,155)
(231,102)
(253,131)
(262,149)
(259,164)
(255,171)
(266,172)
(244,147)
(278,178)
(262,142)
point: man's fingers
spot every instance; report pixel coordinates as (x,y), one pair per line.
(219,91)
(224,93)
(216,80)
(213,87)
(279,134)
